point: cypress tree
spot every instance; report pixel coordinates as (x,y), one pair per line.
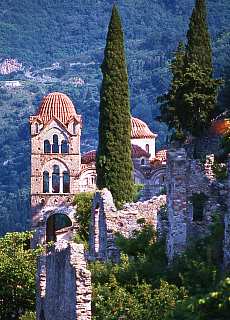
(171,102)
(190,103)
(114,163)
(198,49)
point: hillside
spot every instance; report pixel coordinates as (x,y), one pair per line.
(60,46)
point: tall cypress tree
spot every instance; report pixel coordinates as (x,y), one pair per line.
(198,49)
(193,92)
(114,163)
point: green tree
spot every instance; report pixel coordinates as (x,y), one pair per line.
(17,275)
(114,164)
(198,49)
(83,201)
(190,104)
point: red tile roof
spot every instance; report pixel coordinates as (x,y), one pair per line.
(88,157)
(139,129)
(138,152)
(56,105)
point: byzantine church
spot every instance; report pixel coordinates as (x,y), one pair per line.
(59,170)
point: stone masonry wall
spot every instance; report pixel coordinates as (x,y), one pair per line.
(63,284)
(176,202)
(186,178)
(107,221)
(227,227)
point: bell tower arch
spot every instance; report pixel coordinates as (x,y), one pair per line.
(55,161)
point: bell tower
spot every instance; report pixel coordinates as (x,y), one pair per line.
(55,166)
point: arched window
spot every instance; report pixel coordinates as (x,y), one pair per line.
(45,182)
(55,148)
(56,179)
(47,147)
(74,128)
(36,127)
(66,182)
(64,147)
(142,162)
(147,148)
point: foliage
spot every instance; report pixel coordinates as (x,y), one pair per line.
(27,33)
(220,170)
(83,202)
(225,143)
(114,164)
(28,316)
(17,274)
(137,192)
(143,286)
(213,305)
(190,104)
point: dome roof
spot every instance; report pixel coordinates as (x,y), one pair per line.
(138,152)
(56,105)
(139,129)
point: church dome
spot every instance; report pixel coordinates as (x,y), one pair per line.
(139,129)
(56,105)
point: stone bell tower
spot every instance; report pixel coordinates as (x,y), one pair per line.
(55,166)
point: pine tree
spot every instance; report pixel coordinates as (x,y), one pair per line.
(190,103)
(114,163)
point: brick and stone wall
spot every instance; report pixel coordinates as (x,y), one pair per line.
(106,221)
(63,284)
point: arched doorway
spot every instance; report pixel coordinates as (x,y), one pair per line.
(58,227)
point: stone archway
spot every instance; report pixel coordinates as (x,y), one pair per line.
(58,226)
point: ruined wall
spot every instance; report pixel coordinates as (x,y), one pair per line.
(63,284)
(177,169)
(186,178)
(227,227)
(106,221)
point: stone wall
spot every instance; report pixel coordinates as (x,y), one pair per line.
(186,178)
(63,284)
(227,227)
(106,221)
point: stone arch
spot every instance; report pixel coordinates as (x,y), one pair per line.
(158,180)
(88,180)
(59,176)
(58,226)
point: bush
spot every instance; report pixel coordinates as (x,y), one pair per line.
(83,202)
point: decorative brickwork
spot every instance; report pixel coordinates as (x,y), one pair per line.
(63,284)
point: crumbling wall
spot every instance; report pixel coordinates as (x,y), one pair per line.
(186,178)
(227,227)
(106,221)
(177,168)
(63,284)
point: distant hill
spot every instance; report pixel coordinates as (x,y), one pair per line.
(60,45)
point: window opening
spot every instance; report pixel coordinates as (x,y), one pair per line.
(55,148)
(56,179)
